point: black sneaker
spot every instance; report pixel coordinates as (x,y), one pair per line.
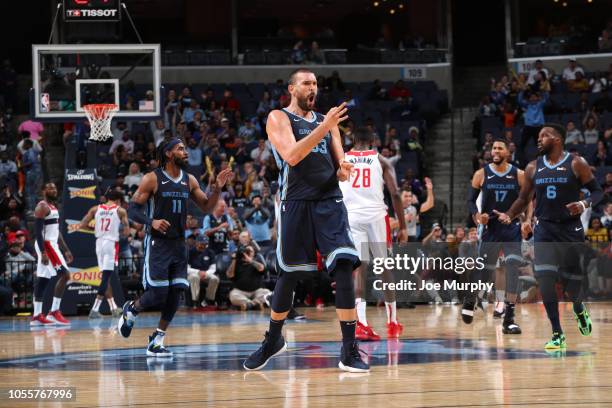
(258,359)
(126,320)
(509,326)
(157,350)
(467,311)
(294,315)
(350,359)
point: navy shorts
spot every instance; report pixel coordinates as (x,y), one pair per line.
(165,263)
(305,227)
(498,238)
(558,248)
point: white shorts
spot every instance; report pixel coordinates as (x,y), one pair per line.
(107,252)
(371,237)
(56,260)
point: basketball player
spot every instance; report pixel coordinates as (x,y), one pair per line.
(500,183)
(165,190)
(557,177)
(51,262)
(311,215)
(367,213)
(109,218)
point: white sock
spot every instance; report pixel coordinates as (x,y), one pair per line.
(96,305)
(500,295)
(37,308)
(111,303)
(360,305)
(391,308)
(56,304)
(159,339)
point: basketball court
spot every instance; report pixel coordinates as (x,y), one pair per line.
(438,362)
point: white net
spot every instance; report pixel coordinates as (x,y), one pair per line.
(100,116)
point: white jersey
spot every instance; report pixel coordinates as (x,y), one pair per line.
(107,222)
(51,230)
(364,191)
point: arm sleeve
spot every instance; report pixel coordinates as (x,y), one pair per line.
(472,197)
(136,213)
(597,193)
(40,239)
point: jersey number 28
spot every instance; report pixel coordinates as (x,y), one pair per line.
(365,178)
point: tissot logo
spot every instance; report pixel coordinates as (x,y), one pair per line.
(91,13)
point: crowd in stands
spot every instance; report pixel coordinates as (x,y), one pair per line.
(519,105)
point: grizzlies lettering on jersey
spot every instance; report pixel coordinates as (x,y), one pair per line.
(499,190)
(170,203)
(555,187)
(314,178)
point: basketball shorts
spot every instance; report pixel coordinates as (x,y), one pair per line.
(499,240)
(305,227)
(558,248)
(372,237)
(56,260)
(165,263)
(107,252)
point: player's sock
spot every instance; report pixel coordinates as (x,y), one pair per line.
(391,308)
(96,305)
(276,328)
(500,296)
(111,303)
(37,307)
(360,305)
(348,332)
(56,303)
(160,335)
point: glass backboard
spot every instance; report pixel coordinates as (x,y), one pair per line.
(68,76)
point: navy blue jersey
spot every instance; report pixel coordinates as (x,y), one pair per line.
(499,190)
(555,187)
(314,178)
(170,203)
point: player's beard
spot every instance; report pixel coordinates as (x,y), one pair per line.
(51,197)
(181,163)
(305,103)
(543,150)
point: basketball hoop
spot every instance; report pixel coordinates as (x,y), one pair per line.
(100,116)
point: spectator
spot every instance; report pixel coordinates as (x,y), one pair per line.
(257,219)
(487,108)
(608,184)
(597,234)
(533,117)
(569,73)
(134,176)
(125,141)
(377,92)
(573,135)
(598,83)
(246,271)
(18,262)
(234,241)
(208,99)
(399,91)
(604,43)
(266,104)
(216,227)
(190,111)
(8,170)
(202,268)
(33,128)
(591,133)
(11,205)
(245,239)
(316,55)
(580,84)
(238,200)
(33,172)
(539,67)
(606,218)
(229,103)
(298,54)
(118,130)
(195,153)
(498,93)
(412,209)
(602,158)
(261,153)
(247,131)
(412,143)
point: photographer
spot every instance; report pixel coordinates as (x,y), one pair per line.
(246,271)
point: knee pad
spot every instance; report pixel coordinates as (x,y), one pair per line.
(345,289)
(512,274)
(282,299)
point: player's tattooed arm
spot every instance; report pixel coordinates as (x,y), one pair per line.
(582,170)
(524,198)
(281,135)
(125,222)
(40,212)
(391,183)
(207,204)
(84,224)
